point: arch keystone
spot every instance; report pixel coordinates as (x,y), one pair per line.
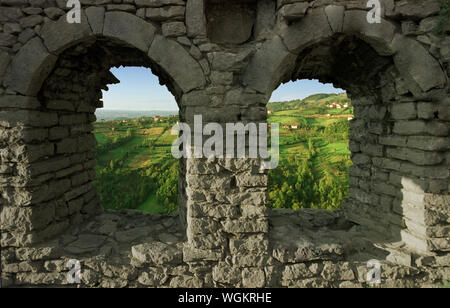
(130,29)
(313,28)
(96,17)
(379,36)
(335,15)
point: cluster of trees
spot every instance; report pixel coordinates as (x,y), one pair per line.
(127,189)
(123,189)
(337,131)
(297,184)
(112,144)
(166,177)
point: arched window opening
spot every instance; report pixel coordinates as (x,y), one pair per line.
(314,153)
(135,168)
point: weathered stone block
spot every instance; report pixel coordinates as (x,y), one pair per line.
(195,18)
(96,18)
(173,29)
(27,118)
(246,226)
(158,3)
(153,277)
(177,63)
(314,27)
(202,225)
(335,15)
(405,111)
(18,101)
(337,272)
(10,13)
(268,65)
(191,254)
(58,133)
(165,13)
(417,10)
(27,218)
(186,282)
(428,143)
(252,244)
(5,58)
(156,253)
(29,67)
(253,278)
(129,29)
(60,35)
(227,274)
(294,11)
(416,64)
(252,180)
(296,271)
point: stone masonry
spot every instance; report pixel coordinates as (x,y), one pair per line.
(222,60)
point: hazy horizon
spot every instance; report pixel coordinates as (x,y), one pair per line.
(131,94)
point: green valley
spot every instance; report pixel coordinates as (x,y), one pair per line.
(136,169)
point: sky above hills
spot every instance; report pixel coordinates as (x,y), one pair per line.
(139,89)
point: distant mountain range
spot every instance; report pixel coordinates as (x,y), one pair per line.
(109,114)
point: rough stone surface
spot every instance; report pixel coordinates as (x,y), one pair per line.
(60,35)
(176,62)
(195,18)
(223,59)
(25,72)
(130,29)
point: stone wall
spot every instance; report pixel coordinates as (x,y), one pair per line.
(51,76)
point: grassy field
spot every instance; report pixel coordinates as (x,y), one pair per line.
(148,143)
(151,205)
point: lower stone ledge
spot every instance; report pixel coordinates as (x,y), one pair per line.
(306,249)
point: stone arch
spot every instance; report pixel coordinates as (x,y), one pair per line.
(322,24)
(400,73)
(34,62)
(33,77)
(400,146)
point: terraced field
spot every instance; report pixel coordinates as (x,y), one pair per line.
(143,146)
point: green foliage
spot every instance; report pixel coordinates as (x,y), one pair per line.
(296,184)
(444,18)
(111,144)
(316,97)
(335,132)
(127,189)
(122,189)
(337,128)
(285,105)
(167,180)
(137,171)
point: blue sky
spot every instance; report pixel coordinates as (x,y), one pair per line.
(139,89)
